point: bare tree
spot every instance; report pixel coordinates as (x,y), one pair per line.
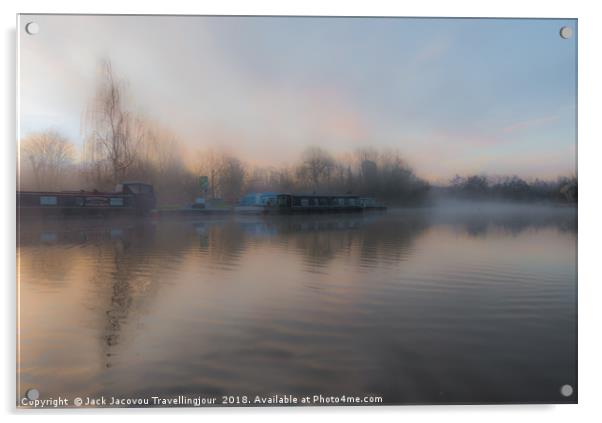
(231,178)
(316,166)
(114,131)
(49,154)
(208,163)
(226,173)
(158,153)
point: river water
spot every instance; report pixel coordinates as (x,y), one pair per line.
(467,304)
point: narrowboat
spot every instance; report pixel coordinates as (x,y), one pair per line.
(369,203)
(279,203)
(128,198)
(257,203)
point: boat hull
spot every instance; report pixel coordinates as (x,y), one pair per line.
(266,210)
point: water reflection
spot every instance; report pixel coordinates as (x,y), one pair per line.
(417,306)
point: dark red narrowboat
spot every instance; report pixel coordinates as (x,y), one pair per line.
(128,198)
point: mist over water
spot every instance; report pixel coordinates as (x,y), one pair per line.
(464,302)
(443,301)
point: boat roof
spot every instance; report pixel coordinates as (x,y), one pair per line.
(324,195)
(261,193)
(134,182)
(270,193)
(301,194)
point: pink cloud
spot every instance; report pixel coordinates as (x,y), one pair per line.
(530,123)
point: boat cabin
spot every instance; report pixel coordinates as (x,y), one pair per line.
(270,202)
(137,197)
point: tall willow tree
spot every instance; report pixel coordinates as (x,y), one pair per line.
(112,132)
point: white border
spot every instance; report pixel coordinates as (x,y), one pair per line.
(590,29)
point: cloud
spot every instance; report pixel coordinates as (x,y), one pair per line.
(266,88)
(530,123)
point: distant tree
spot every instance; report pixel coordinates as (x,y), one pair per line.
(515,188)
(474,186)
(208,163)
(369,171)
(396,181)
(231,178)
(316,167)
(49,154)
(568,189)
(226,173)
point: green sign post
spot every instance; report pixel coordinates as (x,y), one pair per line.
(204,183)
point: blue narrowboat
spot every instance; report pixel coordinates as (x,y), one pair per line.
(280,203)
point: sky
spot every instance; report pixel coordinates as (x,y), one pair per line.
(453,96)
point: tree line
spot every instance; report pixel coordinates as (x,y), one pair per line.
(482,187)
(120,145)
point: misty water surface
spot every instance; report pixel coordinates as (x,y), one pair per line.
(466,304)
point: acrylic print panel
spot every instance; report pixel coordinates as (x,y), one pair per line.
(254,211)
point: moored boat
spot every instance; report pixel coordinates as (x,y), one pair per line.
(128,198)
(280,203)
(257,203)
(370,203)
